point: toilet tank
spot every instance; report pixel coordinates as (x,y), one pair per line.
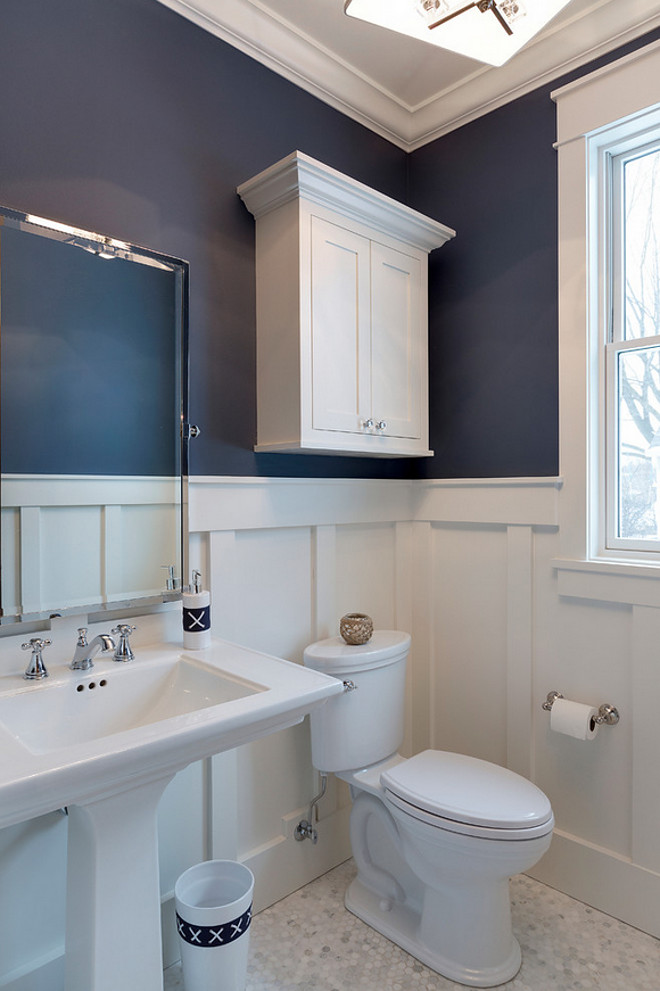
(364,725)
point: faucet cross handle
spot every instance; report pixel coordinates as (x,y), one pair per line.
(123,651)
(36,669)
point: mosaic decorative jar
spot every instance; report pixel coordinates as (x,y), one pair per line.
(356,628)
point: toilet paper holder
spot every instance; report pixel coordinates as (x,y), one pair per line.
(608,715)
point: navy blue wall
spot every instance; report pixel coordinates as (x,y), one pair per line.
(493,314)
(89,352)
(122,117)
(493,294)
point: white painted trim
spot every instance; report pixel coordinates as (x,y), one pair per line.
(284,864)
(30,558)
(496,501)
(604,879)
(29,497)
(325,581)
(89,490)
(404,567)
(424,646)
(246,503)
(281,47)
(520,649)
(300,177)
(645,691)
(632,569)
(625,584)
(625,87)
(515,482)
(590,115)
(43,974)
(481,93)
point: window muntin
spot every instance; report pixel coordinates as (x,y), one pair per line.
(632,365)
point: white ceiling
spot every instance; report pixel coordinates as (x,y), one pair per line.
(404,89)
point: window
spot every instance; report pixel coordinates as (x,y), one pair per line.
(608,144)
(632,360)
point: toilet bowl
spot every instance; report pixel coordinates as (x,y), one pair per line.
(435,837)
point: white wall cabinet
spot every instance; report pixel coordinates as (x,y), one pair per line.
(342,350)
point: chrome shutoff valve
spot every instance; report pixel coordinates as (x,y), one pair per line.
(305,830)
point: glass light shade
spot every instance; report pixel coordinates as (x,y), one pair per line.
(470,31)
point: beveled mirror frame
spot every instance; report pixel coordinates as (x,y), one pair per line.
(26,544)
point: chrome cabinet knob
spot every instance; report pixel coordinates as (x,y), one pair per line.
(381,425)
(368,424)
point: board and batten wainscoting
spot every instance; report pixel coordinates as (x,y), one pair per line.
(101,516)
(469,568)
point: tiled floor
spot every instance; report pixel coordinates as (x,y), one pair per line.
(309,942)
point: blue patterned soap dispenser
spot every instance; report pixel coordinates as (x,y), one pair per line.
(196,615)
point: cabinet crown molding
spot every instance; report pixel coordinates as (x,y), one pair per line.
(300,177)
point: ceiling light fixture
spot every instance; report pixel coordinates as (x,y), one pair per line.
(490,31)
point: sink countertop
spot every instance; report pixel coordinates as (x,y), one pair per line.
(32,784)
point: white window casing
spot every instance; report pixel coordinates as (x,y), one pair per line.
(599,116)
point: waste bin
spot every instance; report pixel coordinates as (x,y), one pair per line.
(213,913)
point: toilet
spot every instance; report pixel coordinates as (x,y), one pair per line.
(435,837)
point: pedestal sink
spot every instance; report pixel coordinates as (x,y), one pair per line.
(105,743)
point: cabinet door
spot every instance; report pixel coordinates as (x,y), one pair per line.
(396,330)
(340,340)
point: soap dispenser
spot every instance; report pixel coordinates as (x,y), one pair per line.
(196,615)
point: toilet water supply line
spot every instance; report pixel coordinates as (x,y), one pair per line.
(305,828)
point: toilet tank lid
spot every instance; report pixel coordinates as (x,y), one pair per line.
(468,790)
(335,655)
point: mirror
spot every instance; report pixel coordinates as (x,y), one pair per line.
(93,413)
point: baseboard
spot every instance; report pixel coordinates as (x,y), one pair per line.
(600,878)
(46,974)
(286,864)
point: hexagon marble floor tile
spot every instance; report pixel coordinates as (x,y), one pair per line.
(310,942)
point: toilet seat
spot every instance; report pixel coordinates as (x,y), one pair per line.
(465,795)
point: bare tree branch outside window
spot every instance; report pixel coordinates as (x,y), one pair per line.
(639,369)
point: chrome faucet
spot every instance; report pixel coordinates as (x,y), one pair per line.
(85,651)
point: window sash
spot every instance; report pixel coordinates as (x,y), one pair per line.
(612,245)
(613,353)
(616,232)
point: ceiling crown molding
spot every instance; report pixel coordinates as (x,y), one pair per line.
(280,46)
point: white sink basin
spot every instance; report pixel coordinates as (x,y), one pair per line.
(63,742)
(84,707)
(104,743)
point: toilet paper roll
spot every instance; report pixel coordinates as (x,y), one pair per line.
(573,719)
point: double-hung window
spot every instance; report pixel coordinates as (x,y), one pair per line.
(608,144)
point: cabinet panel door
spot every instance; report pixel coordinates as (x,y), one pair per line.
(396,341)
(340,328)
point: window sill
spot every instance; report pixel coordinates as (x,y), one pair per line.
(624,582)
